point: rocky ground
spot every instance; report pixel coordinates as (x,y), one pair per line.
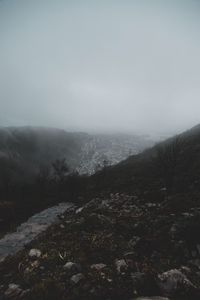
(117,247)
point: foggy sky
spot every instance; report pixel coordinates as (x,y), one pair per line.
(100,65)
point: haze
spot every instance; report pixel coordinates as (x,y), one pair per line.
(100,65)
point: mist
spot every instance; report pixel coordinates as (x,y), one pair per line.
(130,66)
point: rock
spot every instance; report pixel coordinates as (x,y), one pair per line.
(121,266)
(72,268)
(14,291)
(133,242)
(79,210)
(75,279)
(129,255)
(174,282)
(150,205)
(185,270)
(98,267)
(35,253)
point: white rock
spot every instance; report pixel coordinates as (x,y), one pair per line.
(35,253)
(76,278)
(121,265)
(79,210)
(68,265)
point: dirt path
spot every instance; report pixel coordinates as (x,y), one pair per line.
(11,243)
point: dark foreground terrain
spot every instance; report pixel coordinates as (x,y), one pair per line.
(133,234)
(117,247)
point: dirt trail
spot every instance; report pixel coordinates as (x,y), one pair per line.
(11,243)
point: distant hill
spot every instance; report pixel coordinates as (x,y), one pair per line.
(24,149)
(172,164)
(109,149)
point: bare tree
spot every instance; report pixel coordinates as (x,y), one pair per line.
(60,169)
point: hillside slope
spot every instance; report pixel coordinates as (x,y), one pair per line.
(176,159)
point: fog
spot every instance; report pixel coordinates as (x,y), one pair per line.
(130,66)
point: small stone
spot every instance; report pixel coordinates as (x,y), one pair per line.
(150,205)
(35,253)
(14,291)
(72,268)
(75,279)
(163,189)
(129,255)
(79,210)
(133,242)
(121,266)
(98,267)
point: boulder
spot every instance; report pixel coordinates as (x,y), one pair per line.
(14,292)
(175,283)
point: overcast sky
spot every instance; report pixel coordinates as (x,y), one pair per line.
(100,65)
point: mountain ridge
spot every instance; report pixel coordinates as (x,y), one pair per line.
(27,148)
